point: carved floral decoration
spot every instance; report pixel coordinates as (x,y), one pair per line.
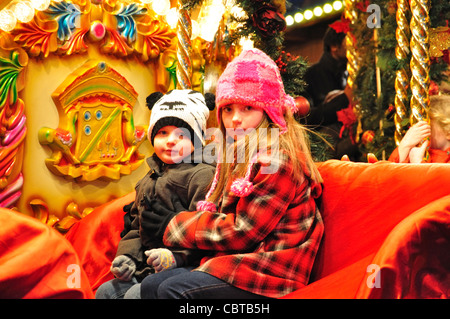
(119,28)
(123,29)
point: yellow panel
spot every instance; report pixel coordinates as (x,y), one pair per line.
(43,78)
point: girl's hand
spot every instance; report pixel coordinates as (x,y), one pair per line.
(417,153)
(416,134)
(161,259)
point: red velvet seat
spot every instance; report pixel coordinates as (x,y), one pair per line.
(361,204)
(375,215)
(37,262)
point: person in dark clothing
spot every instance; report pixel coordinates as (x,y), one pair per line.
(328,93)
(177,168)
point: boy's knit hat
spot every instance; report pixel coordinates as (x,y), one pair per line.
(254,79)
(187,109)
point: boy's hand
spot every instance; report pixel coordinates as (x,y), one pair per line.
(161,259)
(416,134)
(123,267)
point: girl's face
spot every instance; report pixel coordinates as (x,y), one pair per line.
(439,139)
(171,144)
(237,118)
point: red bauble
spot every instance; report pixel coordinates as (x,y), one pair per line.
(302,105)
(367,137)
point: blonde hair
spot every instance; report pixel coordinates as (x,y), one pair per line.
(293,142)
(440,111)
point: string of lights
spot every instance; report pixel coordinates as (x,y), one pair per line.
(314,13)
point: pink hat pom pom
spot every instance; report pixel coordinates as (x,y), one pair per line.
(241,187)
(204,205)
(290,103)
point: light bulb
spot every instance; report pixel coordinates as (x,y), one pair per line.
(327,8)
(208,33)
(318,11)
(172,18)
(7,20)
(337,5)
(161,7)
(289,20)
(23,11)
(195,29)
(298,17)
(246,43)
(308,14)
(40,5)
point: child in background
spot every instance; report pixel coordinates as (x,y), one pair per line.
(412,150)
(177,126)
(264,228)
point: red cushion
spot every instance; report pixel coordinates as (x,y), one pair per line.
(37,262)
(363,202)
(96,236)
(414,260)
(342,284)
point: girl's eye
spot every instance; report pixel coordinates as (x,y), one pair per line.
(226,109)
(248,108)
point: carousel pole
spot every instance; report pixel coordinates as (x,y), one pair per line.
(378,82)
(351,13)
(184,49)
(402,50)
(420,62)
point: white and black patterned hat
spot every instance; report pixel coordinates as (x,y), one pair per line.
(187,109)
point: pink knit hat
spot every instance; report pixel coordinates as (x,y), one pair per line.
(254,79)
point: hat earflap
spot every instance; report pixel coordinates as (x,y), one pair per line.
(152,99)
(210,100)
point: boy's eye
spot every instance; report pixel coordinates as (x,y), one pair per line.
(161,132)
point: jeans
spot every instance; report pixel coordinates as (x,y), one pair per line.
(183,283)
(119,289)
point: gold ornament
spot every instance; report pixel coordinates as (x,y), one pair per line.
(402,51)
(420,60)
(352,58)
(97,137)
(439,41)
(184,51)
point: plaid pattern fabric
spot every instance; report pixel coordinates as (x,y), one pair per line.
(265,242)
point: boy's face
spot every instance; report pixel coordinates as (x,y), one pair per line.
(172,144)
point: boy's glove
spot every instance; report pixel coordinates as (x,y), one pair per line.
(154,222)
(161,259)
(123,267)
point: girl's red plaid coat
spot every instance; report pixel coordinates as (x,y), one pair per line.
(265,242)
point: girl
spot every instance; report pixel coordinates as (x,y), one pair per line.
(411,150)
(262,225)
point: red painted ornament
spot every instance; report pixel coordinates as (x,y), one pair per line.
(97,31)
(367,137)
(302,105)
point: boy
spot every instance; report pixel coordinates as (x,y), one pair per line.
(177,127)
